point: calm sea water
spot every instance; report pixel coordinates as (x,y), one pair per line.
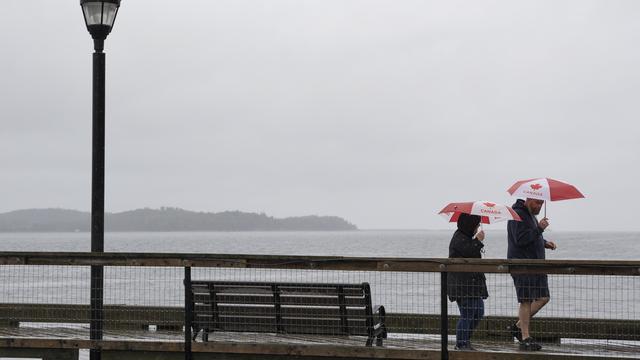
(368,243)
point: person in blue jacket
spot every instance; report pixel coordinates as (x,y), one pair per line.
(468,289)
(526,242)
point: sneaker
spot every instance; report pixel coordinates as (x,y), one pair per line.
(515,331)
(529,344)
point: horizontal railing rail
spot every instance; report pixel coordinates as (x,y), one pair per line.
(567,267)
(143,292)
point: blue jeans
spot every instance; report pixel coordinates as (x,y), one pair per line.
(471,311)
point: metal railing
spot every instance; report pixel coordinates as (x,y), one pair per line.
(593,308)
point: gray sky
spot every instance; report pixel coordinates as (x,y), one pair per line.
(379,111)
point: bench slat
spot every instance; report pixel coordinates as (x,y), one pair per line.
(293,311)
(258,290)
(226,310)
(244,299)
(321,301)
(291,290)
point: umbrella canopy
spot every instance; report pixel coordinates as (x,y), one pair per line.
(544,189)
(488,211)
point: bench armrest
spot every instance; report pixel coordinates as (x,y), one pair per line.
(379,328)
(379,315)
(379,309)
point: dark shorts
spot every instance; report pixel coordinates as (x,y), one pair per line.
(531,287)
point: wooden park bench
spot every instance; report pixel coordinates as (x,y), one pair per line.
(285,308)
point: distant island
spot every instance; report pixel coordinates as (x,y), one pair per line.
(164,219)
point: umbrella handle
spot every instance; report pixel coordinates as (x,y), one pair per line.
(475,236)
(545,214)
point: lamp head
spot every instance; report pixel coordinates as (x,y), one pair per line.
(99,16)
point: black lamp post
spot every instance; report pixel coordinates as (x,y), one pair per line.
(99,17)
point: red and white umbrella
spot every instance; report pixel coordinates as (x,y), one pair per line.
(489,212)
(544,189)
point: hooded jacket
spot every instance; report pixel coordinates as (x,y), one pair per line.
(525,237)
(462,285)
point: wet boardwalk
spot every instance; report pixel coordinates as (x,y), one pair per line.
(418,343)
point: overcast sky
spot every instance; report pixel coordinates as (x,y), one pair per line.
(379,111)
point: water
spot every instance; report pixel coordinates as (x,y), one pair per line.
(368,243)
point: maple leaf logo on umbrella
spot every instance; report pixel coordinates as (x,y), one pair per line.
(536,186)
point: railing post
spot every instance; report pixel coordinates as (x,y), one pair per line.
(188,313)
(444,317)
(344,323)
(275,290)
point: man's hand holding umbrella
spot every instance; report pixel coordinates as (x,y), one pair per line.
(543,224)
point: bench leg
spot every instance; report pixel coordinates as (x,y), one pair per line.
(369,340)
(381,334)
(196,330)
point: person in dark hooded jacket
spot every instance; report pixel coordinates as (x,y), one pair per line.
(467,289)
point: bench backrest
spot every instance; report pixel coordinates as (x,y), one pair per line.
(294,308)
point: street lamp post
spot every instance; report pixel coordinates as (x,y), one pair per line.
(99,16)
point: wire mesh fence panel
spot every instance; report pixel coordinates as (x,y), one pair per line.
(585,314)
(144,298)
(37,297)
(570,313)
(57,298)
